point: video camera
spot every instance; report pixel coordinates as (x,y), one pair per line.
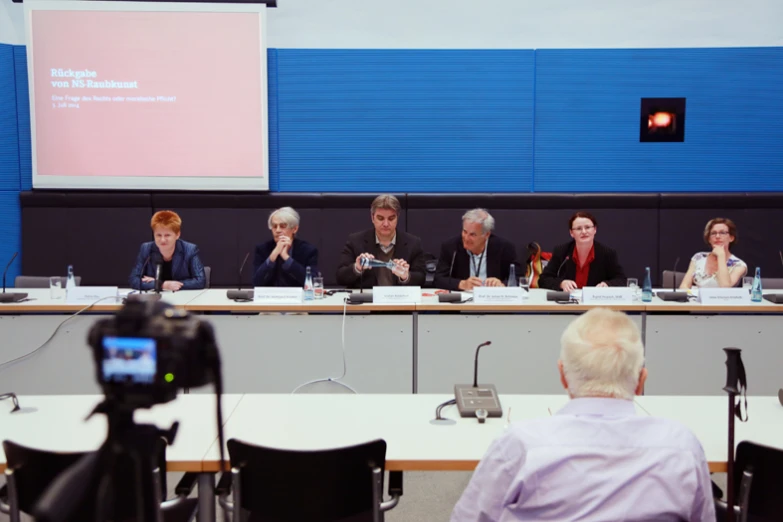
(149,350)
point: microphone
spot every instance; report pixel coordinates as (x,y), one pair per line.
(361,297)
(451,267)
(141,274)
(13,297)
(239,294)
(451,297)
(142,295)
(478,401)
(559,295)
(158,282)
(674,295)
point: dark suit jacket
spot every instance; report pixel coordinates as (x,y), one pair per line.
(407,247)
(501,254)
(604,269)
(186,266)
(284,273)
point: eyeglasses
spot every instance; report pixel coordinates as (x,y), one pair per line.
(583,229)
(719,233)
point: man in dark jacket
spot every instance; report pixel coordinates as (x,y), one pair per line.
(478,257)
(283,260)
(385,243)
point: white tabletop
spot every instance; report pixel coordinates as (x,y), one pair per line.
(413,443)
(216,299)
(57,423)
(40,299)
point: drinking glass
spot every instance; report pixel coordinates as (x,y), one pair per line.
(634,283)
(747,283)
(56,288)
(318,287)
(524,283)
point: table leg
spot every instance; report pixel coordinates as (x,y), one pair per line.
(206,498)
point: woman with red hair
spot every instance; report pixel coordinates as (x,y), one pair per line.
(180,266)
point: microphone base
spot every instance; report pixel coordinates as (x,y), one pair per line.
(14,297)
(680,297)
(240,295)
(450,297)
(360,298)
(145,297)
(774,298)
(470,399)
(558,296)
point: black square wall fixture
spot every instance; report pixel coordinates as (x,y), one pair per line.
(662,119)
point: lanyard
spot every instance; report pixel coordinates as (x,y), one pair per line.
(473,261)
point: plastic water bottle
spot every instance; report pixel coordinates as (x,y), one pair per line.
(377,263)
(755,292)
(647,293)
(70,281)
(309,294)
(512,276)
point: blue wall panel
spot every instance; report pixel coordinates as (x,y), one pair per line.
(9,135)
(23,118)
(10,233)
(587,120)
(405,120)
(274,159)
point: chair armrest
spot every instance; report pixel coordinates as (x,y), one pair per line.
(186,484)
(4,507)
(223,488)
(395,491)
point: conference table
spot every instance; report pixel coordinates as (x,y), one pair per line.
(404,348)
(317,421)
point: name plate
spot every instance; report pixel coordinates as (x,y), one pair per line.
(278,295)
(396,294)
(724,296)
(490,295)
(607,295)
(91,294)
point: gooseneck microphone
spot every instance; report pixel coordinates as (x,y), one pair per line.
(561,265)
(239,294)
(674,295)
(475,363)
(11,297)
(451,267)
(477,401)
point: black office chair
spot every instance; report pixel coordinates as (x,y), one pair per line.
(31,471)
(672,279)
(758,480)
(341,484)
(431,265)
(207,275)
(772,283)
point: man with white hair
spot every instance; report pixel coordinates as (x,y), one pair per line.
(478,257)
(595,459)
(282,261)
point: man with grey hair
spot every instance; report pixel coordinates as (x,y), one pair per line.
(283,260)
(385,243)
(478,257)
(595,459)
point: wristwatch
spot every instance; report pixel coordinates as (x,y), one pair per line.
(481,415)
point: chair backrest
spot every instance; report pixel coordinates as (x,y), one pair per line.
(290,486)
(772,283)
(672,279)
(35,470)
(207,274)
(766,464)
(24,281)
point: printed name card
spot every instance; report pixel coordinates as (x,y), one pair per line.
(607,295)
(490,295)
(396,294)
(724,296)
(91,295)
(278,295)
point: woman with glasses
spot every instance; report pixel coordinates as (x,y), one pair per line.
(582,261)
(719,268)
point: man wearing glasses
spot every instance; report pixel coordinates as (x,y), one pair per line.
(582,261)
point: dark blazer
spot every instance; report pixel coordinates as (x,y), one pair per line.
(604,269)
(186,266)
(284,273)
(501,254)
(407,247)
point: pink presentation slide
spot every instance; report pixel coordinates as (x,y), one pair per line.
(147,94)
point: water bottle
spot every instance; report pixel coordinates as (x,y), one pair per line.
(755,292)
(377,263)
(70,281)
(647,293)
(512,276)
(309,294)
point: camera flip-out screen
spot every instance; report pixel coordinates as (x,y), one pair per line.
(131,360)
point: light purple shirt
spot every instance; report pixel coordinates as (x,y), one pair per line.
(594,460)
